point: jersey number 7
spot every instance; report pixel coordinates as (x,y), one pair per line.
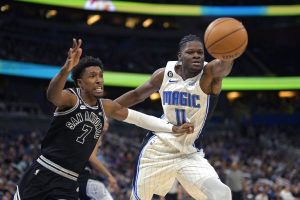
(86,129)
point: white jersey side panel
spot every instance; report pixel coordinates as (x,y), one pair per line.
(183,101)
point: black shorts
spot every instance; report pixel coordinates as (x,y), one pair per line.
(39,183)
(82,182)
(171,196)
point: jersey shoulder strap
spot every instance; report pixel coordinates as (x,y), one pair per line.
(64,112)
(170,73)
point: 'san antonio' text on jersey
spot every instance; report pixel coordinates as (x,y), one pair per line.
(88,117)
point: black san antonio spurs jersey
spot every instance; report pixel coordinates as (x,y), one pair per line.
(72,136)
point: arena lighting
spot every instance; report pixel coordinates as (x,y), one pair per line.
(183,10)
(147,22)
(166,24)
(92,19)
(155,96)
(231,96)
(4,8)
(131,22)
(287,94)
(121,79)
(51,13)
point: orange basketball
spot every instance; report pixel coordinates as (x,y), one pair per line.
(225,38)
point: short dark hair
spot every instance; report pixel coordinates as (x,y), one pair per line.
(186,39)
(84,63)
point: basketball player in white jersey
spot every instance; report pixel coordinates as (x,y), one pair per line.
(189,88)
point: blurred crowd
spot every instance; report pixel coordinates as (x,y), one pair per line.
(252,142)
(259,162)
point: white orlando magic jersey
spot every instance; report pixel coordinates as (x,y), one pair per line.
(183,101)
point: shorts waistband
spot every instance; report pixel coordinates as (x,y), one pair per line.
(57,168)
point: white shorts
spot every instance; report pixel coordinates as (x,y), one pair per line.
(97,190)
(159,165)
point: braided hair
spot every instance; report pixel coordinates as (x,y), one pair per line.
(186,39)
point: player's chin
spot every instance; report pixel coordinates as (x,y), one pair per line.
(196,67)
(98,94)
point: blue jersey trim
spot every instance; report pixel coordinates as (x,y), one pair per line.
(204,121)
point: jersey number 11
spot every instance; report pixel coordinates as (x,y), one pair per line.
(180,116)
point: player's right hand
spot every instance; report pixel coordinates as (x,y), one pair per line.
(185,128)
(74,54)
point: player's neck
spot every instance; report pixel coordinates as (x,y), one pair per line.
(185,74)
(89,99)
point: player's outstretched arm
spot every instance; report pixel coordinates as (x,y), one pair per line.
(99,166)
(142,92)
(116,111)
(220,68)
(55,92)
(214,72)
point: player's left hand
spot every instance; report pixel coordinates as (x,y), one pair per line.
(185,128)
(113,183)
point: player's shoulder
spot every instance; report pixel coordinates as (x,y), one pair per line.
(109,105)
(159,71)
(170,65)
(106,101)
(172,62)
(72,91)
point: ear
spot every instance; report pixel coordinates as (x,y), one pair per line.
(179,56)
(79,83)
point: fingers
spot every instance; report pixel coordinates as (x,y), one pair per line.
(191,129)
(75,52)
(79,43)
(76,44)
(76,47)
(70,53)
(114,185)
(188,128)
(78,53)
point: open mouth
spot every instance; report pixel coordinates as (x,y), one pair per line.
(99,89)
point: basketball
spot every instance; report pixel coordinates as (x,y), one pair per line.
(225,38)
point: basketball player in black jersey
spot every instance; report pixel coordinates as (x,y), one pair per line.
(75,129)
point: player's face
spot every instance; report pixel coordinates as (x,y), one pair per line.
(92,81)
(192,56)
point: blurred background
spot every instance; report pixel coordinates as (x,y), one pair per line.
(254,130)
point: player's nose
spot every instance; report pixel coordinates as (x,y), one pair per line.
(196,55)
(99,80)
